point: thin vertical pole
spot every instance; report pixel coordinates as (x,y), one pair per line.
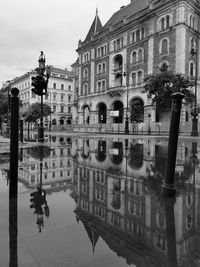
(168,189)
(14,144)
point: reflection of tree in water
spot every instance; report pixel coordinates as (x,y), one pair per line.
(136,156)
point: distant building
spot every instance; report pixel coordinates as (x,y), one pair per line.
(59,97)
(114,59)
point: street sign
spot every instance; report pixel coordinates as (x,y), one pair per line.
(114,113)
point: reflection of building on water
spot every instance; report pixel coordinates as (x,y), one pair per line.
(56,169)
(118,200)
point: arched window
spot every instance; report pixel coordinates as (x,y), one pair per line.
(140,77)
(167,21)
(140,55)
(104,67)
(103,86)
(164,46)
(99,69)
(137,35)
(191,69)
(134,57)
(85,73)
(133,79)
(162,24)
(133,37)
(191,21)
(142,33)
(98,86)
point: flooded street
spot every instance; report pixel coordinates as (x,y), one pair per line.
(89,202)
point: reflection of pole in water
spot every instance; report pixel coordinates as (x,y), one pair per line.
(171,231)
(13,230)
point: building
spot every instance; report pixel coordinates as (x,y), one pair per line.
(114,59)
(59,96)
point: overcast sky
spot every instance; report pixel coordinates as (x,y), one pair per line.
(30,26)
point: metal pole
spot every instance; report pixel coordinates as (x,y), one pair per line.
(168,189)
(13,231)
(41,127)
(14,145)
(126,118)
(170,231)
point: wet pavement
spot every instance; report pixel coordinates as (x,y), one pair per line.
(96,201)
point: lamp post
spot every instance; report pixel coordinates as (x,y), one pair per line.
(126,130)
(194,113)
(40,83)
(149,122)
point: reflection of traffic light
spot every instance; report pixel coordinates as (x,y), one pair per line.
(38,199)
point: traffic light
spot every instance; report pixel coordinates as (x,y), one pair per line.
(35,84)
(40,85)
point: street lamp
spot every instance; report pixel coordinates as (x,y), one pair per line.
(149,122)
(194,113)
(126,130)
(40,83)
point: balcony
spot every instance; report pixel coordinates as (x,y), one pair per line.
(118,70)
(116,91)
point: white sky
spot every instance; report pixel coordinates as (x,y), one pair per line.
(30,26)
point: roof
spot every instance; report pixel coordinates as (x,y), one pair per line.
(127,11)
(95,27)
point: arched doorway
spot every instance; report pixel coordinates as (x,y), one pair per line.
(118,106)
(102,113)
(137,110)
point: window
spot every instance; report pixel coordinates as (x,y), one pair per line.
(99,69)
(167,21)
(69,109)
(140,55)
(62,109)
(133,79)
(104,68)
(162,24)
(69,98)
(33,95)
(54,97)
(54,109)
(164,46)
(62,86)
(137,35)
(99,87)
(54,85)
(85,73)
(62,97)
(69,87)
(103,86)
(134,57)
(191,69)
(140,77)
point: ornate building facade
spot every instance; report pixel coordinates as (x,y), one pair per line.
(114,59)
